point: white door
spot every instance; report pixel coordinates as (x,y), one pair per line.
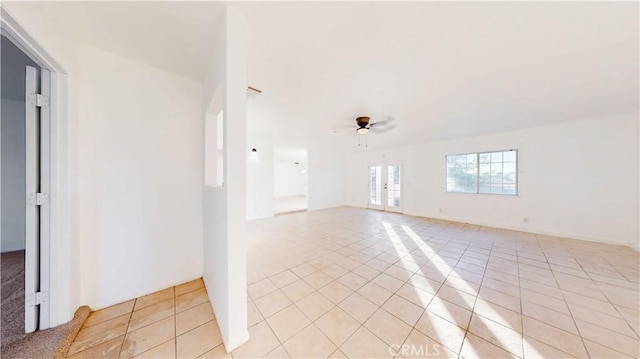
(37,191)
(385,187)
(32,230)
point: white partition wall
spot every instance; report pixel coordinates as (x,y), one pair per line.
(224,206)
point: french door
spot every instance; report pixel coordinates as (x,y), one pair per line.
(385,187)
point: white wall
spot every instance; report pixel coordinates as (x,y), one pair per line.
(13,175)
(140,170)
(288,181)
(225,254)
(326,179)
(260,178)
(576,179)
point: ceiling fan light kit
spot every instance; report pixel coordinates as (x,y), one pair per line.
(362,130)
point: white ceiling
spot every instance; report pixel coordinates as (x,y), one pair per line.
(441,69)
(177,36)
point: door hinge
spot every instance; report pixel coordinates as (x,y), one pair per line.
(42,101)
(37,298)
(37,199)
(39,100)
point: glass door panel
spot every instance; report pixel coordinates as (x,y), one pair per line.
(385,186)
(375,187)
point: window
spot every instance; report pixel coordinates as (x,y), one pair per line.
(214,150)
(484,172)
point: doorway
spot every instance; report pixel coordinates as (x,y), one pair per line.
(25,159)
(289,180)
(385,187)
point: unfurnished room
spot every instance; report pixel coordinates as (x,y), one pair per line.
(284,179)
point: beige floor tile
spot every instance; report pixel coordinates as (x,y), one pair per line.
(335,291)
(165,350)
(288,322)
(387,282)
(298,290)
(442,331)
(600,351)
(278,353)
(499,298)
(549,316)
(337,325)
(400,267)
(272,303)
(461,299)
(352,280)
(451,312)
(262,341)
(338,355)
(309,343)
(283,278)
(547,301)
(335,271)
(99,333)
(154,298)
(194,317)
(419,345)
(387,327)
(143,339)
(364,344)
(554,337)
(374,293)
(109,349)
(151,314)
(191,299)
(318,280)
(358,307)
(399,272)
(403,309)
(622,343)
(199,340)
(111,312)
(476,347)
(189,286)
(303,270)
(612,323)
(536,349)
(315,305)
(497,334)
(498,314)
(218,352)
(415,295)
(261,288)
(253,315)
(366,272)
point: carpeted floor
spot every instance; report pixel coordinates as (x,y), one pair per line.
(12,305)
(48,343)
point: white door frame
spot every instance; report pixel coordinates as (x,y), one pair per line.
(55,251)
(384,195)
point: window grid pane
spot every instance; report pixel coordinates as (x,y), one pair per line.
(487,173)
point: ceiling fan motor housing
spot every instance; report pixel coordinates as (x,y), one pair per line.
(362,121)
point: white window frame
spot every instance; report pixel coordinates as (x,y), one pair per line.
(478,173)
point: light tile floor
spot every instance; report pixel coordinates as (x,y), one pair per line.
(174,322)
(357,283)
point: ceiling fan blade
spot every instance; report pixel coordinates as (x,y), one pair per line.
(382,129)
(379,123)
